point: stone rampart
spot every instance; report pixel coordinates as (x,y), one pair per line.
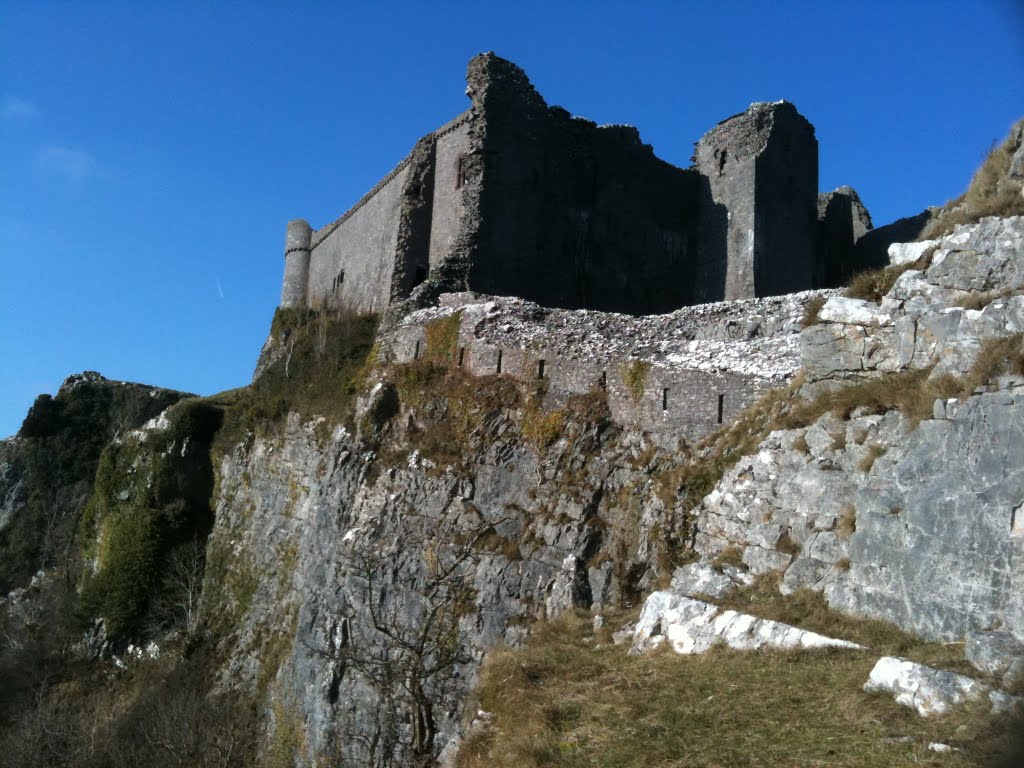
(352,265)
(676,375)
(518,198)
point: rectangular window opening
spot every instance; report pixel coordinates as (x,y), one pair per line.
(462,356)
(416,352)
(460,172)
(540,369)
(721,407)
(664,399)
(604,379)
(421,274)
(499,362)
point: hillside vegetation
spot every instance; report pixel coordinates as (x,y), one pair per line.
(993,190)
(569,698)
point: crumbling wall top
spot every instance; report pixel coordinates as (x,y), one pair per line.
(746,134)
(752,337)
(492,81)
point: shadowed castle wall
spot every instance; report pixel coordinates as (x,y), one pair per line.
(516,198)
(573,214)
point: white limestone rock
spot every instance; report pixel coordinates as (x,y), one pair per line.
(908,253)
(928,691)
(693,626)
(701,579)
(840,309)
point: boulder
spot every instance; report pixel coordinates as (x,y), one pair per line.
(839,309)
(908,253)
(928,691)
(693,626)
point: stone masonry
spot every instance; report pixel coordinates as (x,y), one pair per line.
(517,198)
(681,374)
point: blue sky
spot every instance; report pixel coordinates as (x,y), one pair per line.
(151,154)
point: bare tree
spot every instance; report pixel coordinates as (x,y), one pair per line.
(404,641)
(177,603)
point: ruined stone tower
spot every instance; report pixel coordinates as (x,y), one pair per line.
(514,197)
(760,174)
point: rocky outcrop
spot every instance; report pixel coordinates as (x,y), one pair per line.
(932,691)
(935,316)
(47,469)
(915,523)
(694,626)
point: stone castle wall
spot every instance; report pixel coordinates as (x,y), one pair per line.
(675,375)
(352,264)
(758,223)
(573,214)
(517,198)
(453,143)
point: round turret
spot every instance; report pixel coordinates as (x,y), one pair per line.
(296,263)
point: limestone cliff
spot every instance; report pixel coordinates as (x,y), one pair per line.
(378,510)
(902,501)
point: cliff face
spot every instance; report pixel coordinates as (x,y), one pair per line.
(368,572)
(902,501)
(359,587)
(367,524)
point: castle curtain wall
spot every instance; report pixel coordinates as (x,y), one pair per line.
(362,245)
(453,144)
(573,214)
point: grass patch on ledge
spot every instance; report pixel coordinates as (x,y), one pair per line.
(991,192)
(559,701)
(808,609)
(325,356)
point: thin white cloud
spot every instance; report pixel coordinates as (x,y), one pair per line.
(19,109)
(75,164)
(220,289)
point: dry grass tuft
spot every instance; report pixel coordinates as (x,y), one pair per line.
(875,452)
(875,284)
(990,193)
(732,554)
(847,523)
(808,609)
(811,310)
(980,299)
(997,357)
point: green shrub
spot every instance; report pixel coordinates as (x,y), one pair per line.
(150,498)
(634,375)
(325,358)
(442,337)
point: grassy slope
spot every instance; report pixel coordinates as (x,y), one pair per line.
(571,699)
(990,193)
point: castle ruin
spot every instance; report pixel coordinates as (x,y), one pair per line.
(516,198)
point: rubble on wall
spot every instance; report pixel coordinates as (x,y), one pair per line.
(757,337)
